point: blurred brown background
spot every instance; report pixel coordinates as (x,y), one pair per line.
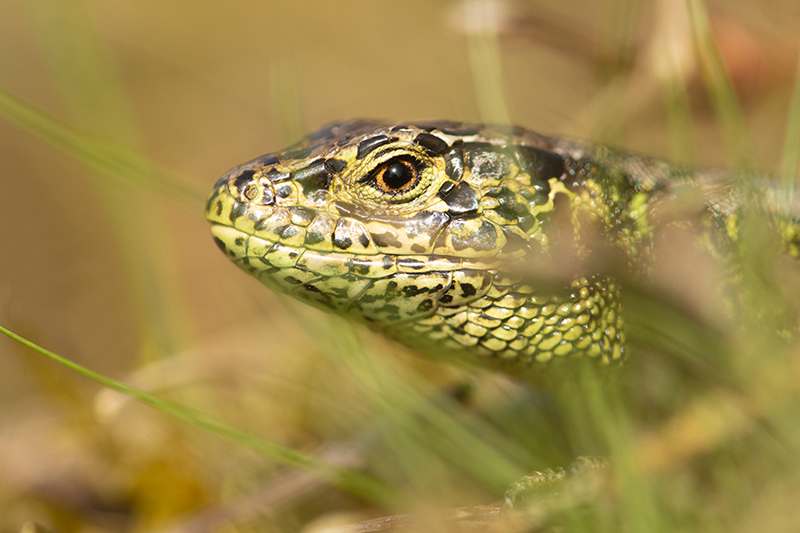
(127,281)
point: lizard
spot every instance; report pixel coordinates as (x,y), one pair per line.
(479,243)
(428,233)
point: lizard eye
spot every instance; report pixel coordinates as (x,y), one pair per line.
(396,177)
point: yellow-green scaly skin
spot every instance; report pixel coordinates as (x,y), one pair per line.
(428,233)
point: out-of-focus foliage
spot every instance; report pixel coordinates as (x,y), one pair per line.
(135,107)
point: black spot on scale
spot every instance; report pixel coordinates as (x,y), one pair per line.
(311,288)
(412,290)
(445,299)
(390,311)
(540,164)
(334,165)
(445,189)
(363,240)
(462,199)
(538,193)
(407,262)
(314,237)
(289,232)
(283,191)
(267,198)
(468,290)
(509,208)
(360,267)
(454,161)
(243,179)
(506,213)
(425,305)
(343,243)
(313,176)
(261,224)
(386,239)
(338,292)
(238,241)
(314,185)
(368,145)
(265,160)
(526,222)
(239,209)
(368,298)
(218,208)
(274,175)
(221,244)
(432,143)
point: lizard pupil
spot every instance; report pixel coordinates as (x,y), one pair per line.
(397,176)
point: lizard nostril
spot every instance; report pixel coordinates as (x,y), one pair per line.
(251,192)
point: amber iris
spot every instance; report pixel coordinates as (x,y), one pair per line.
(395,176)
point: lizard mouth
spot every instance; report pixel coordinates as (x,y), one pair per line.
(381,288)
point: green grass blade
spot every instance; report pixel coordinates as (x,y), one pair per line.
(791,147)
(110,158)
(286,99)
(436,424)
(485,60)
(721,92)
(682,140)
(347,479)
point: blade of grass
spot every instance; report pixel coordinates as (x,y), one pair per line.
(345,478)
(287,103)
(110,158)
(671,57)
(482,18)
(791,147)
(88,81)
(437,425)
(721,92)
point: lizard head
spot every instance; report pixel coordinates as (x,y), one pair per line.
(369,204)
(393,224)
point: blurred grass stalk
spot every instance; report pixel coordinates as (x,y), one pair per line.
(482,21)
(350,480)
(88,84)
(429,423)
(286,98)
(721,93)
(428,435)
(104,156)
(791,147)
